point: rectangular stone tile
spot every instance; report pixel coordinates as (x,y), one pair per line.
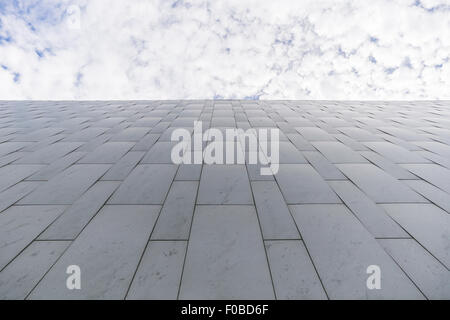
(20,225)
(174,222)
(109,152)
(224,184)
(8,159)
(49,154)
(40,144)
(57,166)
(227,153)
(225,257)
(402,143)
(428,224)
(299,122)
(130,134)
(85,134)
(107,251)
(432,173)
(428,274)
(254,172)
(445,162)
(10,196)
(21,275)
(288,153)
(342,250)
(109,122)
(293,273)
(315,134)
(402,133)
(300,183)
(12,174)
(159,273)
(372,216)
(5,132)
(300,143)
(323,166)
(351,143)
(334,121)
(74,124)
(338,152)
(261,122)
(155,114)
(40,134)
(166,136)
(189,172)
(10,147)
(265,134)
(223,122)
(359,134)
(436,147)
(184,122)
(160,153)
(395,153)
(92,145)
(124,166)
(160,127)
(286,128)
(67,186)
(77,216)
(408,119)
(146,184)
(435,195)
(147,122)
(171,116)
(274,216)
(378,185)
(444,133)
(146,142)
(389,167)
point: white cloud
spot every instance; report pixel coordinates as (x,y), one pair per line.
(232,49)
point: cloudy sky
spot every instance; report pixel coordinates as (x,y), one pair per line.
(253,49)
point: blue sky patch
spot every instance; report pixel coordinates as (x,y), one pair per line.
(390,70)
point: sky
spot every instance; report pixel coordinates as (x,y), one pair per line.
(233,49)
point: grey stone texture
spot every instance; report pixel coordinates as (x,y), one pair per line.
(92,183)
